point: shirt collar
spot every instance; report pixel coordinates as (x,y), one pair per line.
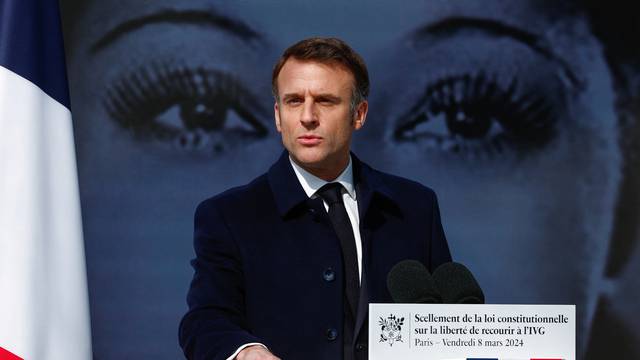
(311,183)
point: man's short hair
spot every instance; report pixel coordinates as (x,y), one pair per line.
(327,50)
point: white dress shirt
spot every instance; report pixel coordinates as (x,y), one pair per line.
(311,184)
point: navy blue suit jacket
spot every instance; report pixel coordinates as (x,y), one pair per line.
(268,264)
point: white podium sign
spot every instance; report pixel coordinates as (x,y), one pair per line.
(452,331)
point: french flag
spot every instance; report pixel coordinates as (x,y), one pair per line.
(44,312)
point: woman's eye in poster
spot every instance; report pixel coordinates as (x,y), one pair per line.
(473,116)
(477,97)
(190,109)
(182,80)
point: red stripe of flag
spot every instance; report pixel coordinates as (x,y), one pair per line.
(5,355)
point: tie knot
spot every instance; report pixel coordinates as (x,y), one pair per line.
(331,193)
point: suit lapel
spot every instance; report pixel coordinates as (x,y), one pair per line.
(363,304)
(286,189)
(366,186)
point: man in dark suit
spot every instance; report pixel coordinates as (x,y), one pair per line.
(287,264)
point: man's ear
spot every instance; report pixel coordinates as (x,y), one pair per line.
(276,115)
(360,115)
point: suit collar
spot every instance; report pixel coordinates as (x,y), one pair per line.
(289,194)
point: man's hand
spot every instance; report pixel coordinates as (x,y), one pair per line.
(256,352)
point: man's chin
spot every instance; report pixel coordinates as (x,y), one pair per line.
(309,156)
(309,162)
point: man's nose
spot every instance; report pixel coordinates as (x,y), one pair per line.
(309,118)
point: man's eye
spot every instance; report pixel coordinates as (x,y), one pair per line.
(294,101)
(468,115)
(196,110)
(326,101)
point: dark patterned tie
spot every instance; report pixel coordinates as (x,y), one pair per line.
(332,194)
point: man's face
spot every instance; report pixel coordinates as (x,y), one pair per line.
(314,114)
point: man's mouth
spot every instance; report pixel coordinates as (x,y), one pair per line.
(309,140)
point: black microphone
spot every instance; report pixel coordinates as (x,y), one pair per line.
(410,282)
(457,285)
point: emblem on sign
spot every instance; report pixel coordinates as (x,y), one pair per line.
(391,328)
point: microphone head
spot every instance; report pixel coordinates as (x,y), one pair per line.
(457,285)
(410,282)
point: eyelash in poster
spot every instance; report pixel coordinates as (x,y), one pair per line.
(193,109)
(473,115)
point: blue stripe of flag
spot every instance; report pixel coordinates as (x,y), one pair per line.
(31,44)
